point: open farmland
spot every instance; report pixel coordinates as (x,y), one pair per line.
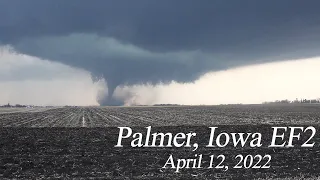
(162,116)
(78,142)
(21,110)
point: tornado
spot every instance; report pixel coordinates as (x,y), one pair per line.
(160,41)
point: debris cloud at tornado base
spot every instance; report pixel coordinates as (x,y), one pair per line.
(254,84)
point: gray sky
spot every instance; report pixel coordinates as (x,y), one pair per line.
(130,42)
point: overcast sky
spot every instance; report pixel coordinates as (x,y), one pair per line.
(94,48)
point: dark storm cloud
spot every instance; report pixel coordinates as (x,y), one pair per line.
(151,40)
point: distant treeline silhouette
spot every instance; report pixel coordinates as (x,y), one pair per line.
(166,105)
(20,106)
(296,101)
(17,105)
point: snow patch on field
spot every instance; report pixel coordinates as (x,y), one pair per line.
(83,122)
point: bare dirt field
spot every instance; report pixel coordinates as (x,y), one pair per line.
(162,116)
(79,142)
(24,109)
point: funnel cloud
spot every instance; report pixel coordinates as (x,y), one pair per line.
(148,41)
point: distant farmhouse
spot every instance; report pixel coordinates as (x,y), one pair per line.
(8,105)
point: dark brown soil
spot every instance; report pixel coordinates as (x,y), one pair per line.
(29,153)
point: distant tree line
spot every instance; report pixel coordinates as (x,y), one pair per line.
(296,101)
(166,105)
(15,106)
